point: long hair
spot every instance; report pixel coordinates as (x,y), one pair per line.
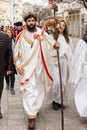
(65,33)
(12,32)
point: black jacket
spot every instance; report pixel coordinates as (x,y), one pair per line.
(5,53)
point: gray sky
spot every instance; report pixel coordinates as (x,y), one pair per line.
(37,1)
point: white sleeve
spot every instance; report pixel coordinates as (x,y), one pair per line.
(17,54)
(49,39)
(78,60)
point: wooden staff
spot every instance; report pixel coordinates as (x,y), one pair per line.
(62,113)
(59,68)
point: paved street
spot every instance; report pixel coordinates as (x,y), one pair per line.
(14,117)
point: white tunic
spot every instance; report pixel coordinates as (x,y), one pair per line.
(79,77)
(65,54)
(37,68)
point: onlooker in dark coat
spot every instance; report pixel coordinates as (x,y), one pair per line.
(5,60)
(10,79)
(18,27)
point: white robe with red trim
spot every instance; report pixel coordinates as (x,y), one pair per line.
(37,65)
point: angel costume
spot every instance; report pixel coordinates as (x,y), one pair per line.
(65,55)
(32,53)
(79,78)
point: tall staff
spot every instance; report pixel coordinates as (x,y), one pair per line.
(55,8)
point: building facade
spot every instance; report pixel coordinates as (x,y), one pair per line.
(4,11)
(73,13)
(10,12)
(76,17)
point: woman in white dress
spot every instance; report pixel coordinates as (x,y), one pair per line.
(65,55)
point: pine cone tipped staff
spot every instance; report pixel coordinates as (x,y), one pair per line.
(55,8)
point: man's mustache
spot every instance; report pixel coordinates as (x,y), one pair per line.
(31,25)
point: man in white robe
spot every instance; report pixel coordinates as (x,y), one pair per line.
(33,62)
(79,77)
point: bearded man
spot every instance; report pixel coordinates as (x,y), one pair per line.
(33,62)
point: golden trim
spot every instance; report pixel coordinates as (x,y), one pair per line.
(54,56)
(19,54)
(32,116)
(18,66)
(27,40)
(17,57)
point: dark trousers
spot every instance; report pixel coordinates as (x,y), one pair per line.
(10,79)
(1,84)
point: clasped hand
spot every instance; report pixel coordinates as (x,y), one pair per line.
(57,45)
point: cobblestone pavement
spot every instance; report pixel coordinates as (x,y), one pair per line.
(14,117)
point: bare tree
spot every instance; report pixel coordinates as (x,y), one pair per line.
(39,10)
(82,2)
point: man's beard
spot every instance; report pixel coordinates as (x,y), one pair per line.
(31,28)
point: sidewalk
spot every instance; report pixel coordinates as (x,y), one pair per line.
(14,117)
